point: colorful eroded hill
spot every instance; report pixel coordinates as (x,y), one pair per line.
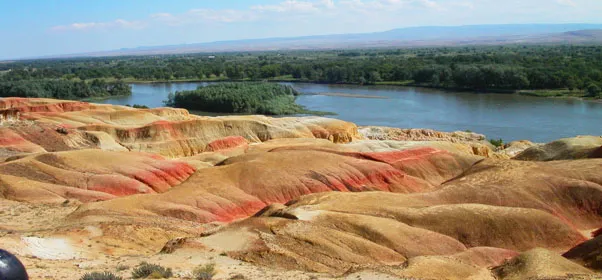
(86,186)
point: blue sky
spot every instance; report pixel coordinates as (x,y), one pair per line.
(48,27)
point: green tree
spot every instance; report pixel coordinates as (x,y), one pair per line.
(246,98)
(593,90)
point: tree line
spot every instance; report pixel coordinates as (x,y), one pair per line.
(473,68)
(63,89)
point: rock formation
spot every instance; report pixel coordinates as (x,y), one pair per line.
(166,131)
(494,204)
(588,253)
(540,264)
(86,186)
(568,148)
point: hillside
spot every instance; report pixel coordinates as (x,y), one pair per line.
(402,37)
(88,187)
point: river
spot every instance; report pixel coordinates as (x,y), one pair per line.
(506,116)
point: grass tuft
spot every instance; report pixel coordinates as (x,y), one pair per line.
(152,271)
(100,276)
(204,272)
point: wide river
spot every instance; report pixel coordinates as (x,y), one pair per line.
(506,116)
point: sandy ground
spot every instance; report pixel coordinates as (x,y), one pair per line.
(182,266)
(182,263)
(25,231)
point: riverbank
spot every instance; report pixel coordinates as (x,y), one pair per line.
(548,93)
(562,93)
(340,94)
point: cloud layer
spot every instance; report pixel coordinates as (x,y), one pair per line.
(362,13)
(82,26)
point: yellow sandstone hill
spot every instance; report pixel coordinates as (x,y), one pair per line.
(87,187)
(165,131)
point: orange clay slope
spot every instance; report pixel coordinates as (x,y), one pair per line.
(266,191)
(240,186)
(88,175)
(168,131)
(494,209)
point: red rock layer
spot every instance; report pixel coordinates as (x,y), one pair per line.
(243,185)
(173,132)
(89,175)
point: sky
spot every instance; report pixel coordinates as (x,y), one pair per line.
(33,28)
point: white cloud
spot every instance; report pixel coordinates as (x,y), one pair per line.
(349,16)
(84,26)
(567,3)
(388,6)
(222,16)
(467,5)
(328,4)
(290,6)
(430,4)
(203,15)
(258,12)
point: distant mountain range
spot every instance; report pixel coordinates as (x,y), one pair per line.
(402,37)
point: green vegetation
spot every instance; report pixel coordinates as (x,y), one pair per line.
(563,68)
(100,276)
(122,267)
(63,89)
(243,98)
(152,271)
(553,93)
(497,142)
(593,90)
(137,106)
(204,272)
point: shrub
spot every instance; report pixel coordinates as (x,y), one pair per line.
(593,90)
(100,276)
(204,272)
(245,98)
(153,271)
(497,143)
(122,267)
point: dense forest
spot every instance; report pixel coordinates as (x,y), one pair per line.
(63,89)
(493,68)
(241,97)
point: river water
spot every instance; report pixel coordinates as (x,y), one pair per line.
(506,116)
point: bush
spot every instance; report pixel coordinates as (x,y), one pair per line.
(204,272)
(153,271)
(497,143)
(137,106)
(122,267)
(244,98)
(100,276)
(593,90)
